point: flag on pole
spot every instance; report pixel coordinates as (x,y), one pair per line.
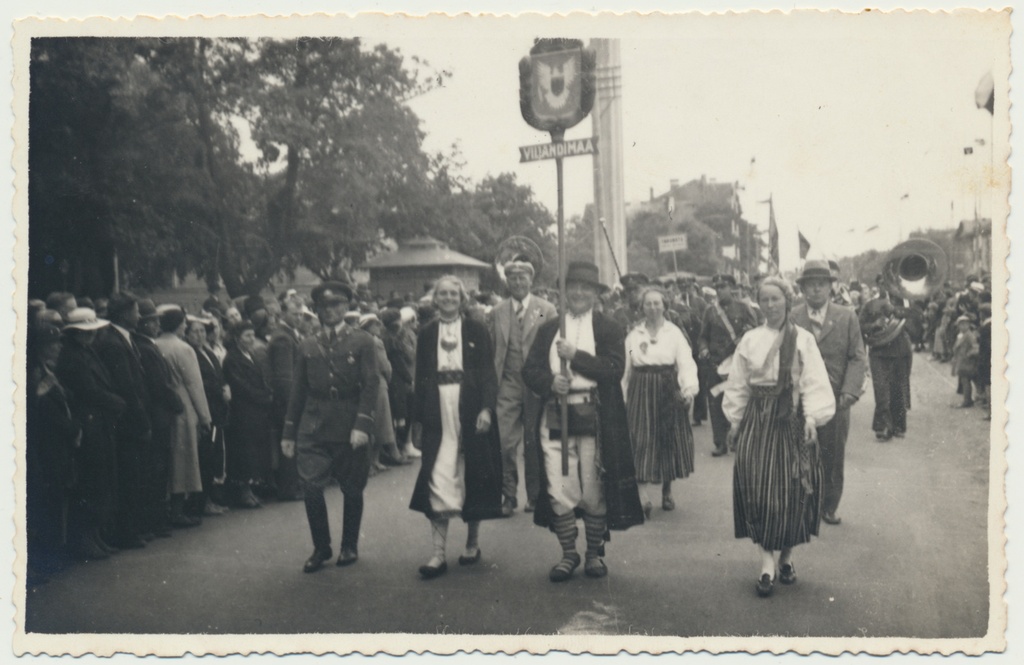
(985,95)
(805,245)
(773,240)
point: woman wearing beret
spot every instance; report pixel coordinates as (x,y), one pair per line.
(777,395)
(453,417)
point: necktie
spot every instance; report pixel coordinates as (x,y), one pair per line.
(519,312)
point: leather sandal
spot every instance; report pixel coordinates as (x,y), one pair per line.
(562,570)
(594,567)
(470,560)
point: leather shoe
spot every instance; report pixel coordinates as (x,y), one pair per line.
(430,572)
(667,502)
(648,507)
(787,573)
(347,557)
(765,585)
(530,506)
(718,452)
(594,567)
(562,570)
(830,518)
(316,560)
(129,543)
(507,508)
(470,560)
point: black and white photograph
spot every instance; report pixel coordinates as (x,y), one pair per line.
(593,333)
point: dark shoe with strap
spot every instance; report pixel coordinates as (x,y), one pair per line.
(787,573)
(667,502)
(564,568)
(594,567)
(765,585)
(347,557)
(430,572)
(470,560)
(830,518)
(316,560)
(718,452)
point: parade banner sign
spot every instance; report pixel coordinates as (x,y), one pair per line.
(571,148)
(672,243)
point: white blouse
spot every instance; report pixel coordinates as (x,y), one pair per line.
(580,331)
(668,347)
(809,375)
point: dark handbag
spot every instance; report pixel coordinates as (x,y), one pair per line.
(582,418)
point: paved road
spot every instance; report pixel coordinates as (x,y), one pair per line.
(910,559)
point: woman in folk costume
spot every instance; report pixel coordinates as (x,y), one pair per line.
(185,477)
(600,483)
(455,395)
(777,395)
(660,383)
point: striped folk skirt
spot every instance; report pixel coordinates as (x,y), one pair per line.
(777,481)
(659,426)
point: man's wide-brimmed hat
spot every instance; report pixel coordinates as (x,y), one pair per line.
(816,270)
(634,279)
(331,293)
(83,318)
(147,309)
(585,272)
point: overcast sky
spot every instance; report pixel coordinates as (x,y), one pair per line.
(848,122)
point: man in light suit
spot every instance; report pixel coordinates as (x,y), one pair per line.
(839,339)
(513,324)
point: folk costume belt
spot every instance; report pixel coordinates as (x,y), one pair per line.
(655,369)
(449,377)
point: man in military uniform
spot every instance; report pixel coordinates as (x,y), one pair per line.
(330,415)
(629,312)
(725,322)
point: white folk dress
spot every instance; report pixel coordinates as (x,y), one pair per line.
(448,477)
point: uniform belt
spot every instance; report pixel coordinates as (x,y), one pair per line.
(335,394)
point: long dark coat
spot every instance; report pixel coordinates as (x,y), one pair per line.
(605,367)
(249,421)
(479,391)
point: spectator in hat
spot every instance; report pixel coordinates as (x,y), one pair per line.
(97,406)
(725,322)
(248,436)
(330,419)
(601,482)
(165,406)
(62,302)
(513,325)
(132,431)
(211,444)
(383,438)
(965,359)
(192,423)
(400,385)
(52,437)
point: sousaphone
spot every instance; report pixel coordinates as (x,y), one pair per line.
(518,248)
(913,270)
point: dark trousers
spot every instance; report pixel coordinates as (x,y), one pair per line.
(719,423)
(155,467)
(832,442)
(211,459)
(700,402)
(890,383)
(130,452)
(318,463)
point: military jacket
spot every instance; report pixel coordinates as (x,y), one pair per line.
(334,388)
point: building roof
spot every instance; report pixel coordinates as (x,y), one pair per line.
(422,252)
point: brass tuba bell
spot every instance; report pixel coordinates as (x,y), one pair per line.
(915,268)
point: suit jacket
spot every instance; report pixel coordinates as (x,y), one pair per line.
(479,391)
(165,403)
(841,345)
(213,386)
(251,397)
(93,401)
(501,320)
(334,389)
(124,364)
(606,367)
(281,353)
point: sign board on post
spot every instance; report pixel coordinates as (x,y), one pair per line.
(570,148)
(672,243)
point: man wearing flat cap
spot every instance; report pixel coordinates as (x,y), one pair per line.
(837,331)
(329,420)
(725,322)
(628,313)
(513,324)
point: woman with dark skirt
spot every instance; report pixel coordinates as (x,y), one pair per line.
(453,421)
(660,383)
(777,395)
